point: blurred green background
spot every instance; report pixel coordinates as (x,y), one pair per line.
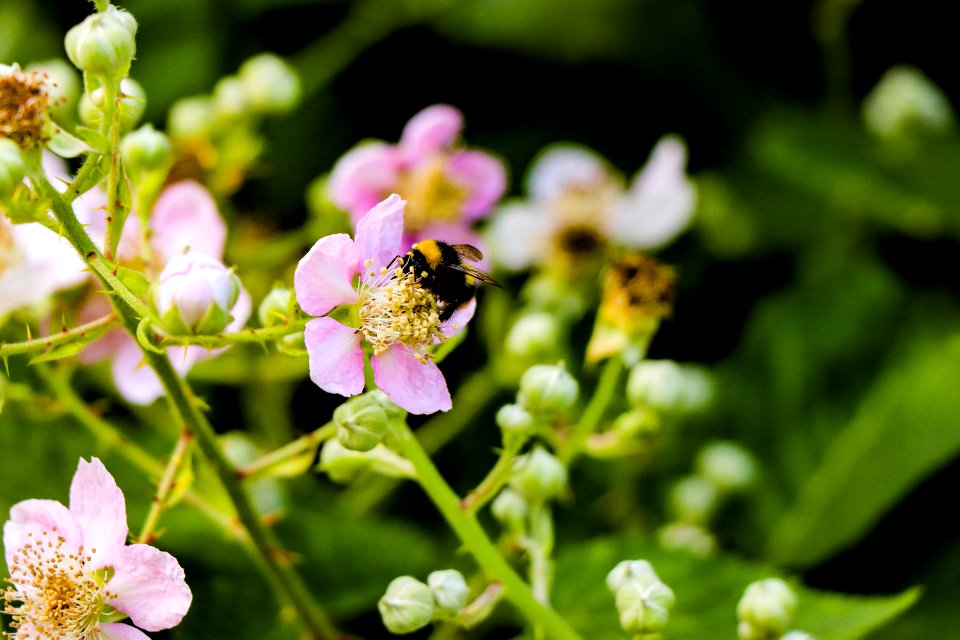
(820,280)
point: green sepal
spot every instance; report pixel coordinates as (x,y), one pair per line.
(144,331)
(93,138)
(133,280)
(64,144)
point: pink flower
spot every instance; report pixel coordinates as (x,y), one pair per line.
(577,203)
(70,569)
(442,184)
(395,317)
(185,218)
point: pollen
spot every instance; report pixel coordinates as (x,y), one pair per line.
(24,101)
(395,309)
(431,195)
(638,286)
(53,593)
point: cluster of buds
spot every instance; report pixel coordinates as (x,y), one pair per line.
(722,469)
(643,600)
(409,604)
(765,612)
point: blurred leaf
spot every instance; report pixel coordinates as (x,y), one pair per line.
(62,351)
(906,427)
(565,29)
(707,594)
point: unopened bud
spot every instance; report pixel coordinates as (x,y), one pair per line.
(146,150)
(63,86)
(538,476)
(664,385)
(510,509)
(191,118)
(631,571)
(269,84)
(636,422)
(681,536)
(449,589)
(533,336)
(765,609)
(195,294)
(693,499)
(343,465)
(546,389)
(104,43)
(727,465)
(229,101)
(361,423)
(797,635)
(904,102)
(12,168)
(406,606)
(132,105)
(644,609)
(514,422)
(277,307)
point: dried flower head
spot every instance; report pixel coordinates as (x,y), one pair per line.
(24,104)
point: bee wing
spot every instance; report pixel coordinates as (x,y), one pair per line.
(468,252)
(476,273)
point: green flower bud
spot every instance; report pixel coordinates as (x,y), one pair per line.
(643,608)
(639,571)
(693,500)
(343,465)
(104,43)
(63,87)
(765,609)
(277,307)
(229,101)
(133,103)
(797,635)
(534,336)
(538,476)
(191,118)
(406,606)
(449,589)
(906,102)
(515,422)
(195,294)
(510,509)
(12,169)
(146,150)
(269,84)
(547,389)
(664,385)
(680,536)
(393,411)
(636,422)
(727,465)
(361,423)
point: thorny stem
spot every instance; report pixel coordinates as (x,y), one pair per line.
(273,560)
(85,332)
(592,414)
(302,444)
(245,336)
(491,484)
(166,486)
(476,541)
(111,120)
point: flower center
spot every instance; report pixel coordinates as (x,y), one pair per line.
(639,286)
(23,107)
(59,595)
(394,308)
(431,195)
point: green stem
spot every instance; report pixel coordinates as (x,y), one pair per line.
(491,484)
(166,485)
(476,541)
(302,444)
(82,182)
(116,215)
(593,413)
(83,333)
(246,336)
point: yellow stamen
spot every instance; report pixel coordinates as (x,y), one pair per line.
(431,195)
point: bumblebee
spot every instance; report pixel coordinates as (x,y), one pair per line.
(439,267)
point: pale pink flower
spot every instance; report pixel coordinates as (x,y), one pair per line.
(394,316)
(445,185)
(184,218)
(71,571)
(575,198)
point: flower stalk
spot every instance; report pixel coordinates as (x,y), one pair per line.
(83,333)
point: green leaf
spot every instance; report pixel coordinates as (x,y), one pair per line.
(94,138)
(707,594)
(60,352)
(907,426)
(133,280)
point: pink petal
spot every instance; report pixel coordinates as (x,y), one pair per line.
(362,177)
(455,323)
(135,380)
(431,130)
(186,217)
(335,355)
(660,202)
(413,385)
(30,518)
(324,277)
(98,505)
(484,177)
(150,587)
(563,167)
(120,631)
(380,232)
